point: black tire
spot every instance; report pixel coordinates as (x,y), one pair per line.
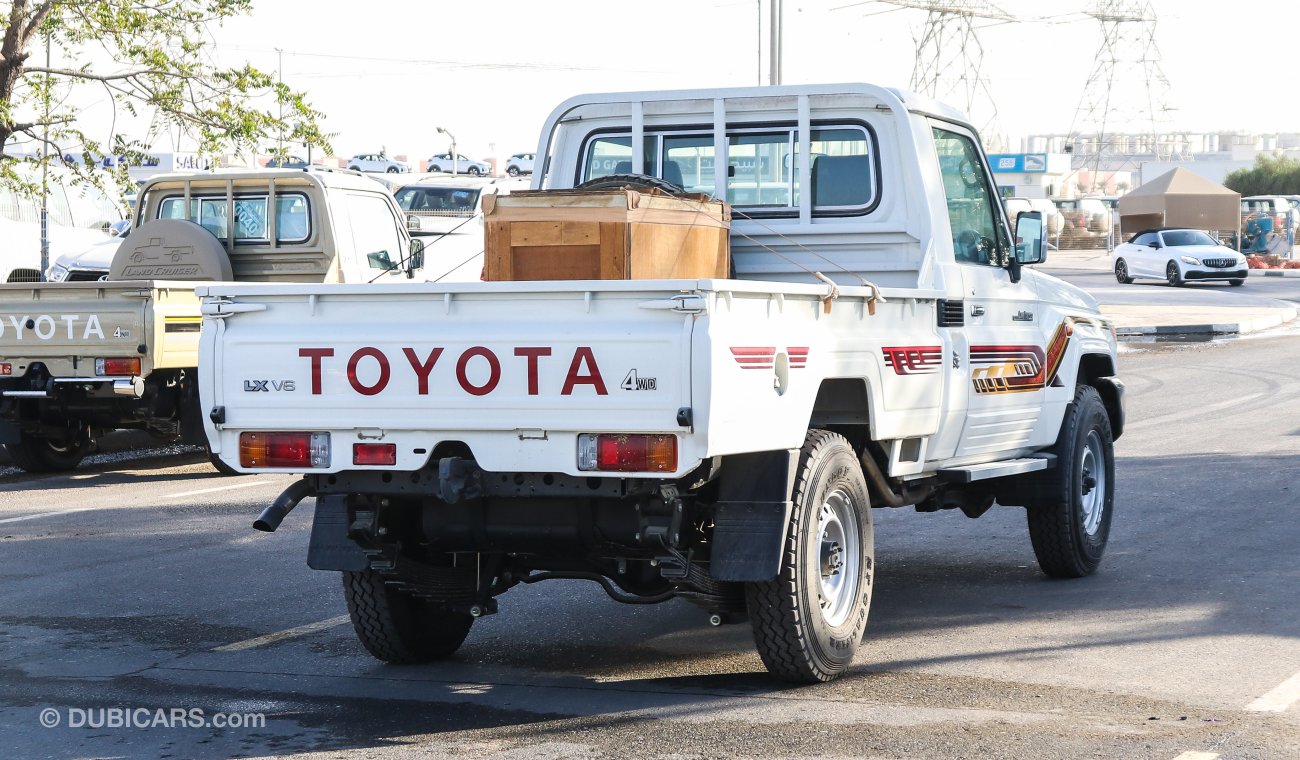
(1173,274)
(1237,282)
(809,620)
(1121,272)
(398,628)
(473,171)
(36,454)
(634,181)
(391,170)
(435,170)
(513,171)
(1069,519)
(354,168)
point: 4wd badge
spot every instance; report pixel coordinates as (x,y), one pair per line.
(634,383)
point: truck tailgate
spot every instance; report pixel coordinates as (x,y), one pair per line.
(513,370)
(66,326)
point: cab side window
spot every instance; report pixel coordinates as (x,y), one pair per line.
(1146,238)
(972,212)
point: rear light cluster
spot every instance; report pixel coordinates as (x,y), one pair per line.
(125,367)
(284,450)
(627,452)
(6,368)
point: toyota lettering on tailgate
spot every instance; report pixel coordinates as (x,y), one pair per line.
(477,370)
(50,326)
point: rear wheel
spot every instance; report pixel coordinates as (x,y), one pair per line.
(399,628)
(1121,272)
(809,620)
(1173,274)
(37,454)
(1069,520)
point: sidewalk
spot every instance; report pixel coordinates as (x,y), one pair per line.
(1185,320)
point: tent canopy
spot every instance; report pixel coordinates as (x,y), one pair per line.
(1180,198)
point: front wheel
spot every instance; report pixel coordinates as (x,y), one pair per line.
(1173,274)
(392,170)
(1121,272)
(1069,521)
(809,620)
(513,171)
(1237,282)
(37,454)
(399,628)
(474,171)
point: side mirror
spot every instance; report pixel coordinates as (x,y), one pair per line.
(1029,238)
(380,260)
(1155,244)
(416,259)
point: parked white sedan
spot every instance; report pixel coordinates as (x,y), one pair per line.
(1177,255)
(459,164)
(377,162)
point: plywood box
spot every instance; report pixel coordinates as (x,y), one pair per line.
(604,235)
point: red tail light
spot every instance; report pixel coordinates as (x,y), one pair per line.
(284,450)
(110,366)
(6,368)
(374,453)
(627,453)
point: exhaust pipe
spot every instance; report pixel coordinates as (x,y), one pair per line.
(273,515)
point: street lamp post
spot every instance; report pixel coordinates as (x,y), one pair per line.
(442,131)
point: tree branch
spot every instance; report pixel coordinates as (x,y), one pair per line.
(78,74)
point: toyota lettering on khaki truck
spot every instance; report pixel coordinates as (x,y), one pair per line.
(117,347)
(722,327)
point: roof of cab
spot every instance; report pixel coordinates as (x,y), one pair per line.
(323,176)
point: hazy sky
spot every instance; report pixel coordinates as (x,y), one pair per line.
(387,73)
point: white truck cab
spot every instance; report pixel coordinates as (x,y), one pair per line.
(881,344)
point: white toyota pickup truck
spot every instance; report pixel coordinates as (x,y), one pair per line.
(880,344)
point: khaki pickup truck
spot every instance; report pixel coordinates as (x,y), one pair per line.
(118,349)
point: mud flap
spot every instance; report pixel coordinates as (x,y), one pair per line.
(751,515)
(330,547)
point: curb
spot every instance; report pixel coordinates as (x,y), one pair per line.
(1275,273)
(1225,328)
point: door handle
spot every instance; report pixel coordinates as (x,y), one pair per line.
(977,311)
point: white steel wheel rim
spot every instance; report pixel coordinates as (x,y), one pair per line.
(1092,483)
(839,557)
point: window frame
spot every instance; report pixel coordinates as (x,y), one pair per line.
(264,197)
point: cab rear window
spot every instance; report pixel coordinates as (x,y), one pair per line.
(763,166)
(292,221)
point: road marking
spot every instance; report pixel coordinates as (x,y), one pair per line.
(43,514)
(1198,756)
(289,633)
(1279,699)
(215,490)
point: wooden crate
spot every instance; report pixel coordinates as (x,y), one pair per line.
(604,235)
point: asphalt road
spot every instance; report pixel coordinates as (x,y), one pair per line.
(140,586)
